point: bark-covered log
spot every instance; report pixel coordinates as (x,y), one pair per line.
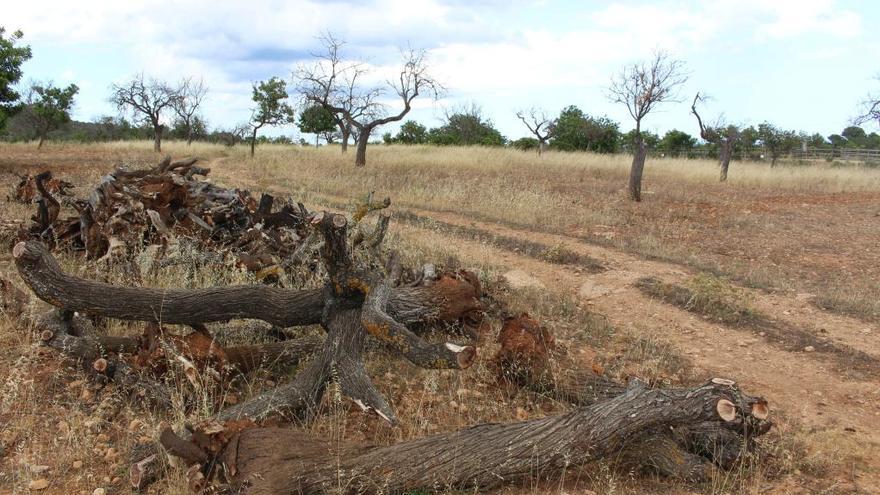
(528,358)
(446,301)
(279,460)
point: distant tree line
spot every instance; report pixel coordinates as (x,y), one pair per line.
(336,104)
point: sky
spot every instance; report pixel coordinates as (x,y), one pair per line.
(800,64)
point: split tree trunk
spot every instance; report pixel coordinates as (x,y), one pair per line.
(635,173)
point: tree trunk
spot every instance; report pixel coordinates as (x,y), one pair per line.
(253,141)
(540,147)
(635,173)
(287,460)
(157,137)
(725,156)
(346,133)
(360,159)
(42,138)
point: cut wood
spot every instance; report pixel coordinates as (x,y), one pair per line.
(289,460)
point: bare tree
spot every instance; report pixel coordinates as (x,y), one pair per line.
(146,99)
(188,98)
(539,124)
(641,87)
(870,109)
(720,134)
(334,84)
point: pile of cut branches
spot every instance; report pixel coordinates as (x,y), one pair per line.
(131,209)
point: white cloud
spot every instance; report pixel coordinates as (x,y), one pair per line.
(480,49)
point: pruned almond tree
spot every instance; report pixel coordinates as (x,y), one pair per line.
(725,136)
(641,87)
(337,85)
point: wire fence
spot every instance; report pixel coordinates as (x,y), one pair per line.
(865,156)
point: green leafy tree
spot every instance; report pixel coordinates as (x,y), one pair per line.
(11,59)
(629,141)
(50,108)
(271,108)
(526,144)
(316,120)
(411,132)
(677,143)
(574,130)
(189,129)
(776,142)
(466,127)
(855,136)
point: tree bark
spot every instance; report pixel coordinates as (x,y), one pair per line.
(277,460)
(360,159)
(346,133)
(635,173)
(254,141)
(157,136)
(726,152)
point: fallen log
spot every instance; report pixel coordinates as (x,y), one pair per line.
(528,358)
(447,300)
(288,460)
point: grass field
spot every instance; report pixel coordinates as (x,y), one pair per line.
(795,231)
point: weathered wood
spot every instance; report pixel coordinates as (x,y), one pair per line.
(278,460)
(284,308)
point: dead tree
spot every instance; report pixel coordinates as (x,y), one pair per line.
(870,111)
(539,124)
(725,137)
(334,84)
(147,98)
(188,99)
(641,87)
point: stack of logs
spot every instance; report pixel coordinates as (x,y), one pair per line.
(252,447)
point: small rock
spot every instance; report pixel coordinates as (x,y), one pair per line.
(99,491)
(809,348)
(77,464)
(38,469)
(40,484)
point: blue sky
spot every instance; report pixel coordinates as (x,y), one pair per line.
(802,65)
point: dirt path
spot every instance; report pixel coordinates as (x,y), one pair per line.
(801,385)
